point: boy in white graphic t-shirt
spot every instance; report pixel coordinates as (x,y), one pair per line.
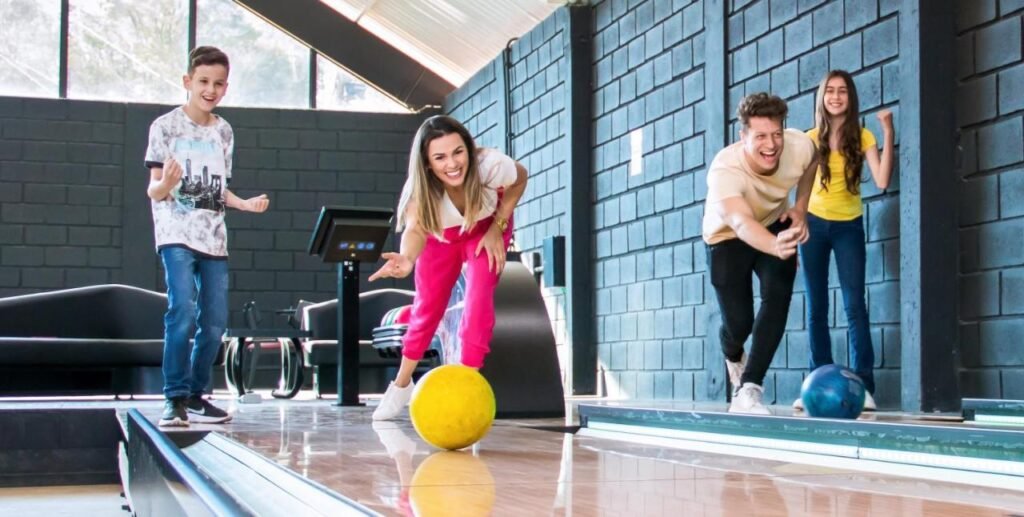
(189,158)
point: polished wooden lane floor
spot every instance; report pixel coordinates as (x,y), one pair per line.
(520,470)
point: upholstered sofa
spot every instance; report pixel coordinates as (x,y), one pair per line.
(96,340)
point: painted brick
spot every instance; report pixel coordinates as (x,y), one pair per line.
(784,80)
(1008,6)
(653,41)
(976,204)
(45,235)
(683,385)
(999,342)
(979,295)
(782,11)
(883,41)
(42,278)
(684,324)
(860,13)
(884,303)
(744,63)
(761,83)
(1011,84)
(672,288)
(813,67)
(974,13)
(980,384)
(801,112)
(682,259)
(997,45)
(1012,291)
(846,54)
(883,220)
(1001,144)
(797,351)
(734,31)
(672,30)
(999,244)
(770,50)
(693,18)
(976,100)
(693,353)
(1011,191)
(869,88)
(682,58)
(755,20)
(1013,384)
(645,269)
(798,37)
(828,22)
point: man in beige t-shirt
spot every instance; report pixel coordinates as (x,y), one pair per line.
(750,227)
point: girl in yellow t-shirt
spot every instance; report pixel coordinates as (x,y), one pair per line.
(835,221)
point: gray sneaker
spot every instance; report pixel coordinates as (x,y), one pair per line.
(203,411)
(175,414)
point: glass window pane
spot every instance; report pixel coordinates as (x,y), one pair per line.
(336,89)
(127,50)
(268,67)
(30,48)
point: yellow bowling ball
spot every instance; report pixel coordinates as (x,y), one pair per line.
(452,407)
(452,483)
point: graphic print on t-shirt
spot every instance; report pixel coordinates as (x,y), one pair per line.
(202,177)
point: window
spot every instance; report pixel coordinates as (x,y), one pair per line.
(268,67)
(124,50)
(30,48)
(339,90)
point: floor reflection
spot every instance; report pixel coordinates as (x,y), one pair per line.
(520,470)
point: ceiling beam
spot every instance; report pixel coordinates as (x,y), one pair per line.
(355,49)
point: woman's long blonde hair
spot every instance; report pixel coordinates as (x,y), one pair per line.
(426,190)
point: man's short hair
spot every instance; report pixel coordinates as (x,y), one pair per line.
(761,104)
(206,56)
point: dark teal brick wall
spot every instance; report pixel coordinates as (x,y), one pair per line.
(990,113)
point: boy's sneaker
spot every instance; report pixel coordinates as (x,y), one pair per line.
(748,400)
(203,411)
(736,371)
(798,404)
(394,401)
(869,402)
(175,414)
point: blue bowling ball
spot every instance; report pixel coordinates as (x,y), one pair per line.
(832,391)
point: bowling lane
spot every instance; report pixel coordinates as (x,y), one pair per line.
(523,471)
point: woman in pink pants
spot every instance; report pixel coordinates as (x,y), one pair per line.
(452,215)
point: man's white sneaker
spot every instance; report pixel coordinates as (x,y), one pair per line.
(798,404)
(394,401)
(748,400)
(735,371)
(869,402)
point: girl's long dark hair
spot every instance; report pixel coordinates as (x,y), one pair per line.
(849,134)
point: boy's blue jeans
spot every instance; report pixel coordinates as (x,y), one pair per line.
(197,297)
(846,238)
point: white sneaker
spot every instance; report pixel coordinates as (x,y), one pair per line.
(736,371)
(748,400)
(394,401)
(798,404)
(869,402)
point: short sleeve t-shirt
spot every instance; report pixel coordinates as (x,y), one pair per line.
(768,196)
(193,215)
(837,203)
